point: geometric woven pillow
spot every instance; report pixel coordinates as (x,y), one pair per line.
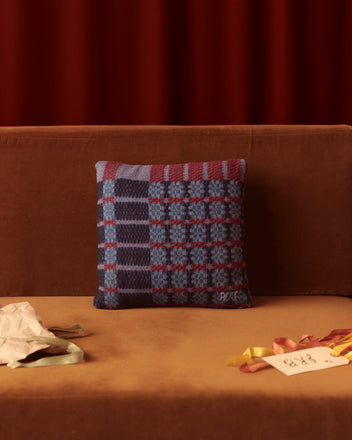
(171,235)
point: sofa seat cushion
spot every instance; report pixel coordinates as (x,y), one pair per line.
(154,372)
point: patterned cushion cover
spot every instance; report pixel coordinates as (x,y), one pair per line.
(171,235)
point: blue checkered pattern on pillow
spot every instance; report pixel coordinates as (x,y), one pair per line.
(171,235)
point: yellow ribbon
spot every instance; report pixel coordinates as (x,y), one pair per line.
(248,355)
(344,344)
(248,361)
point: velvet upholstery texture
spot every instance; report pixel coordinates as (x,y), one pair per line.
(297,207)
(171,235)
(157,373)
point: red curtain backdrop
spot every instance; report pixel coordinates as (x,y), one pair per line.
(175,62)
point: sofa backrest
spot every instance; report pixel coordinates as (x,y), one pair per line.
(298,201)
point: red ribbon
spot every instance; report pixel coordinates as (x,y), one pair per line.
(282,345)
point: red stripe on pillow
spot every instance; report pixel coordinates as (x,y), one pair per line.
(195,171)
(157,173)
(110,170)
(176,173)
(215,170)
(234,170)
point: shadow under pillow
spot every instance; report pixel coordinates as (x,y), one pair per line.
(171,235)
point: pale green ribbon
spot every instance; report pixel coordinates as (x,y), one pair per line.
(73,353)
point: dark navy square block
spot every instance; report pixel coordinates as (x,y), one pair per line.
(133,256)
(132,233)
(131,211)
(134,279)
(131,188)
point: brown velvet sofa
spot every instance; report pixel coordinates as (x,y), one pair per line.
(161,373)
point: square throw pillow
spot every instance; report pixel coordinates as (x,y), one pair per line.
(171,235)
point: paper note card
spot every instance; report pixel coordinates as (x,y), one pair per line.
(302,361)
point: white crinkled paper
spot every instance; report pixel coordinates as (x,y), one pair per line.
(20,320)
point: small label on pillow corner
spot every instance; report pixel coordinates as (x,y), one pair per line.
(230,298)
(227,297)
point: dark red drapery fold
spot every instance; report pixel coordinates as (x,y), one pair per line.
(175,62)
